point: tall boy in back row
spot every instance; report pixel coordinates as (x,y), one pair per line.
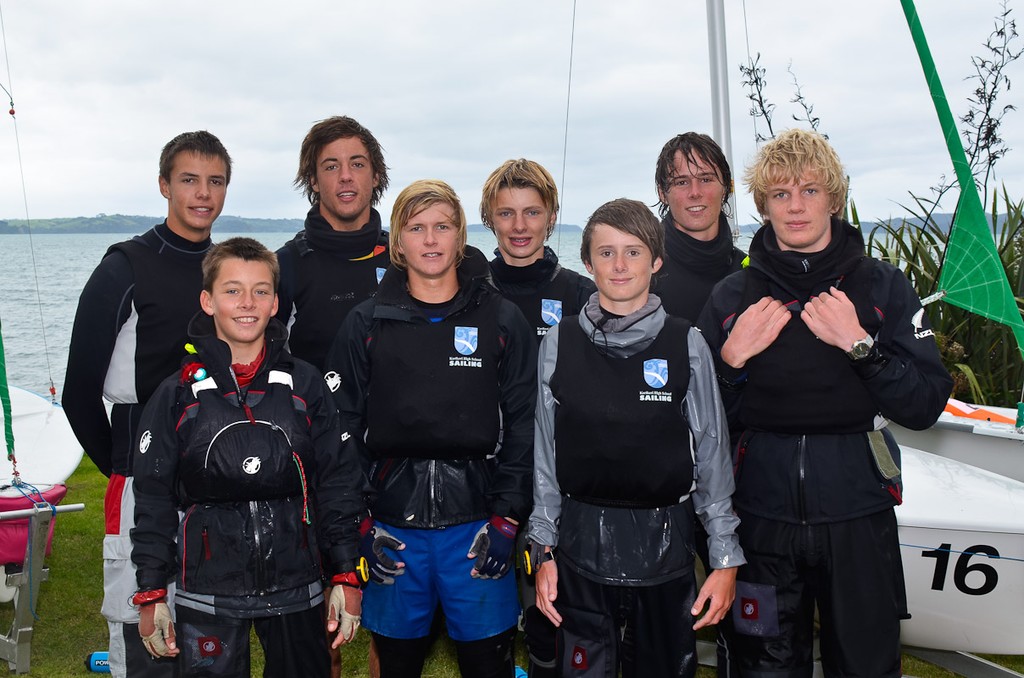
(520,204)
(129,330)
(817,346)
(339,257)
(694,183)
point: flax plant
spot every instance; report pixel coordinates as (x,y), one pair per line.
(981,355)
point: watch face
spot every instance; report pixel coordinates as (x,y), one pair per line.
(860,349)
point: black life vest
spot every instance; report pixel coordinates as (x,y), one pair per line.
(454,367)
(621,435)
(817,383)
(545,304)
(236,455)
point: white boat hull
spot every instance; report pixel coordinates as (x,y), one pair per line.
(962,542)
(992,445)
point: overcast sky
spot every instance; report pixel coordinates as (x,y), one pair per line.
(453,88)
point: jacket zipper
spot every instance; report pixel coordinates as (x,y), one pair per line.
(184,555)
(801,478)
(254,513)
(433,494)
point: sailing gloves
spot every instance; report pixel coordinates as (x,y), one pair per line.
(346,602)
(492,547)
(155,625)
(382,567)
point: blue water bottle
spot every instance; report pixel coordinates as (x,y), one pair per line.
(98,662)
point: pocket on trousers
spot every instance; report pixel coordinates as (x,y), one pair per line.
(586,644)
(118,580)
(755,611)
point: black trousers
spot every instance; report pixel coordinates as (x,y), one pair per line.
(647,631)
(850,570)
(485,658)
(295,645)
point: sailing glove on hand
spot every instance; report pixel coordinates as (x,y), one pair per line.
(383,568)
(157,629)
(345,611)
(492,547)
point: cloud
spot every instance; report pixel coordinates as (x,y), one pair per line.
(453,88)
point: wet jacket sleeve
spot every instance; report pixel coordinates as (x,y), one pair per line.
(339,479)
(712,498)
(156,458)
(908,382)
(547,496)
(347,371)
(509,493)
(103,307)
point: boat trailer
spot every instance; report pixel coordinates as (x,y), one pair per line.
(15,645)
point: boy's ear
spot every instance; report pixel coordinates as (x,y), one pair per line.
(206,302)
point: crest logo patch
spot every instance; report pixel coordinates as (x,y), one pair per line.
(380,274)
(579,658)
(551,311)
(209,646)
(251,465)
(333,380)
(656,372)
(144,442)
(466,339)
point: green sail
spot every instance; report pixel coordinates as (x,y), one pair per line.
(972,274)
(5,398)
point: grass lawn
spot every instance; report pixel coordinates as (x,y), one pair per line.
(70,626)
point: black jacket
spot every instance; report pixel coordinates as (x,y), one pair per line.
(261,478)
(691,268)
(324,275)
(817,476)
(431,475)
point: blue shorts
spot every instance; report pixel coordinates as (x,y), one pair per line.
(437,570)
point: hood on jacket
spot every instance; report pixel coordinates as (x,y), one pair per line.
(623,336)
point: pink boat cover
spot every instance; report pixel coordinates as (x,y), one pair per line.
(14,533)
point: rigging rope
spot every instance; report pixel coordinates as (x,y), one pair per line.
(565,134)
(28,222)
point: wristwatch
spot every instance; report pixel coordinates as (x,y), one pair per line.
(861,348)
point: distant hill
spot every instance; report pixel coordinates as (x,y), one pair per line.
(944,222)
(121,223)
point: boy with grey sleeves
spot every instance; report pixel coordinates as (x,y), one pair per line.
(642,445)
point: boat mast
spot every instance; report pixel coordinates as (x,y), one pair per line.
(719,60)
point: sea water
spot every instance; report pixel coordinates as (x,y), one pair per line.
(42,276)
